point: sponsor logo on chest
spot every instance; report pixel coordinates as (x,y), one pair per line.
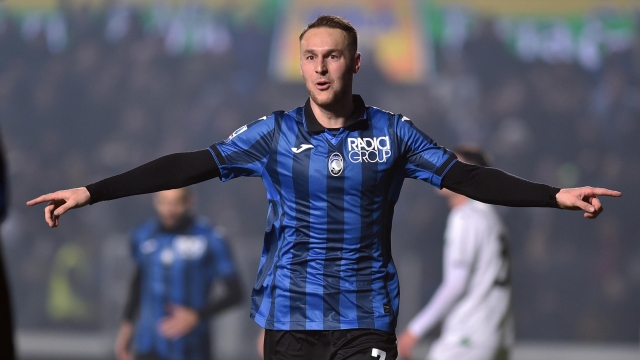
(369,150)
(190,247)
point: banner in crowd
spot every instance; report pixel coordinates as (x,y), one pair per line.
(557,36)
(400,37)
(495,8)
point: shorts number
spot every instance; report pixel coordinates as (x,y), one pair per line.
(377,353)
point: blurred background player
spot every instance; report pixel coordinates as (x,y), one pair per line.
(474,298)
(185,274)
(6,324)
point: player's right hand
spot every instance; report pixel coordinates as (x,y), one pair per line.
(60,202)
(406,342)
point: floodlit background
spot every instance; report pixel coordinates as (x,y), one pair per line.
(551,89)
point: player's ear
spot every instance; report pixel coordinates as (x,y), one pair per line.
(356,63)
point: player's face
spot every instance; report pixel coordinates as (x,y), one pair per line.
(172,206)
(327,65)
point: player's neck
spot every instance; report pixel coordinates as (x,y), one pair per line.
(335,115)
(179,226)
(457,200)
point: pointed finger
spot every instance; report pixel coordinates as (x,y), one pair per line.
(42,198)
(603,192)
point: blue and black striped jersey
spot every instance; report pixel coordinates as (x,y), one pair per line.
(177,268)
(326,262)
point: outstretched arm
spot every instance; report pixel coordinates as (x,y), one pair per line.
(494,186)
(168,172)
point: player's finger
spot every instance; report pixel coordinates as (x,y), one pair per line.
(597,205)
(591,215)
(595,202)
(48,214)
(42,198)
(63,208)
(584,206)
(603,191)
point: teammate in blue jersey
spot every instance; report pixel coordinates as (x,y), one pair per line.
(327,287)
(178,260)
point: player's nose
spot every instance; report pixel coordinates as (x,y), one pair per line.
(321,67)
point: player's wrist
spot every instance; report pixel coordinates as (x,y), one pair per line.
(554,197)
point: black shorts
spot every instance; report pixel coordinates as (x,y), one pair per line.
(355,344)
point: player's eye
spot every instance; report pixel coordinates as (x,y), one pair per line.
(333,56)
(309,57)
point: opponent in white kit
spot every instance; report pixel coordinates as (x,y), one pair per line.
(474,298)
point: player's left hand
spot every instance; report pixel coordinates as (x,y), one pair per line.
(180,321)
(406,342)
(584,198)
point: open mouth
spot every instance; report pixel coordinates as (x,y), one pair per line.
(322,85)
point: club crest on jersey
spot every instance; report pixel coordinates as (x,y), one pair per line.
(236,133)
(369,150)
(336,164)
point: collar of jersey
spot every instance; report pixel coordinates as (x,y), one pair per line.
(314,126)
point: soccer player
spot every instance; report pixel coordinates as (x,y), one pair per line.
(178,259)
(327,287)
(474,298)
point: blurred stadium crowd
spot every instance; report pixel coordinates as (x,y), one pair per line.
(85,95)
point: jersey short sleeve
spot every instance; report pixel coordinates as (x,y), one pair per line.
(223,264)
(246,150)
(425,159)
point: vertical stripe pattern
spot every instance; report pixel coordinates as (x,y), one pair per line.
(326,262)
